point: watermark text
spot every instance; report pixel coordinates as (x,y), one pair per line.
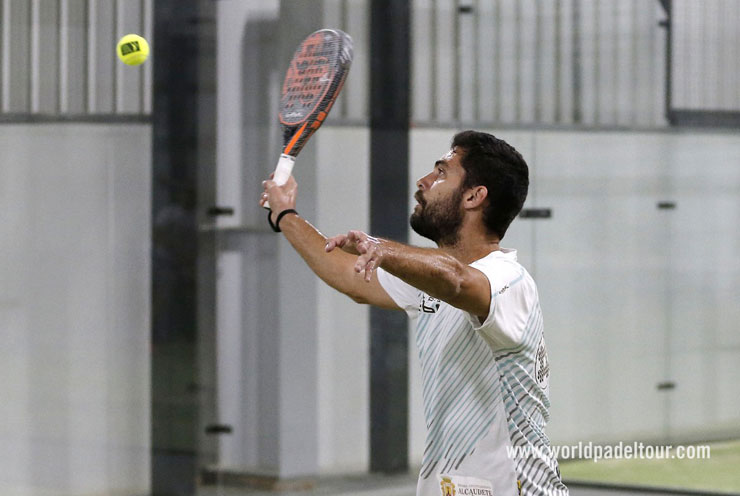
(621,451)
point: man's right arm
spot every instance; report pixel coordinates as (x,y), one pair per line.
(336,268)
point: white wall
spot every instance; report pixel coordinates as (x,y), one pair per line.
(243,33)
(75,309)
(343,325)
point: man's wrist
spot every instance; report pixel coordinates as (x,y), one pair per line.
(276,225)
(387,251)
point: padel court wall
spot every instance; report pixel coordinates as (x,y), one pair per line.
(75,306)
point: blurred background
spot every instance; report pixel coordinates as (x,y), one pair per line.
(157,338)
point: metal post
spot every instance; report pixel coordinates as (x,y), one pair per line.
(667,23)
(389,197)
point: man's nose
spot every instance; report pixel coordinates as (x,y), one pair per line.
(423,183)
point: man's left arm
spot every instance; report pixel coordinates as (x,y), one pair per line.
(431,270)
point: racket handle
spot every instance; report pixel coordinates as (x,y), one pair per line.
(282,171)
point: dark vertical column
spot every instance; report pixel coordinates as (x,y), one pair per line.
(389,198)
(177,128)
(667,23)
(577,115)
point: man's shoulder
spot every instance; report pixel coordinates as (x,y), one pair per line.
(503,261)
(501,255)
(505,273)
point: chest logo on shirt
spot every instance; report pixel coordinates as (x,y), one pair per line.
(429,305)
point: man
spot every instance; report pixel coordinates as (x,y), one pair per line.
(477,314)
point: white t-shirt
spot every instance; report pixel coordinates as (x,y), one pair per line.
(485,387)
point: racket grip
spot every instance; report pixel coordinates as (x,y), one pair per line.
(282,171)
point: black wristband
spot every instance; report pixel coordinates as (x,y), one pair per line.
(276,226)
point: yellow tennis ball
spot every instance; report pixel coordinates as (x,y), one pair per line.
(132,49)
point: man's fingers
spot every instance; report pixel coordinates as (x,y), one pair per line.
(360,241)
(361,263)
(366,247)
(336,242)
(355,236)
(290,184)
(369,268)
(366,263)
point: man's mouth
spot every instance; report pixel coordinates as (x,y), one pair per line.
(419,198)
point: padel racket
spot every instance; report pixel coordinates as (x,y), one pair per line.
(314,79)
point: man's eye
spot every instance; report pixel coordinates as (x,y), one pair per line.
(440,171)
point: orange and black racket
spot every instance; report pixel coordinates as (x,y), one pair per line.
(314,79)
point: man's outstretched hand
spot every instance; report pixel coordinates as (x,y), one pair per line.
(370,250)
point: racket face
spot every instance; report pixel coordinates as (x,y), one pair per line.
(312,83)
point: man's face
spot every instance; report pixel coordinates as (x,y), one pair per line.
(439,213)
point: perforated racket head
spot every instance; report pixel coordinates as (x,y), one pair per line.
(312,83)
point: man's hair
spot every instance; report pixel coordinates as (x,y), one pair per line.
(493,163)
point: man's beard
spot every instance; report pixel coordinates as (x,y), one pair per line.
(439,221)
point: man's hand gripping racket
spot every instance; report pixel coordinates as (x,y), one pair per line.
(314,79)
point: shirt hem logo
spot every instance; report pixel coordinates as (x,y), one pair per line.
(453,485)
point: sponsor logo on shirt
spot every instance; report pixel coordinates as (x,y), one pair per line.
(448,488)
(541,364)
(429,304)
(453,485)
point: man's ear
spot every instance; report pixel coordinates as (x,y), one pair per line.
(475,197)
